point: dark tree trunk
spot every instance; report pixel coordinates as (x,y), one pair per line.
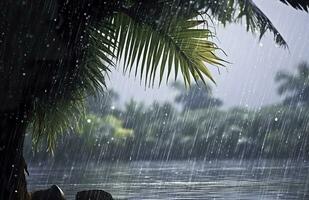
(12,164)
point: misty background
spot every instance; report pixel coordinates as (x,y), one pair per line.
(249,80)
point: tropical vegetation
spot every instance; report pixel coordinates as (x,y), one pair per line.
(161,131)
(54,53)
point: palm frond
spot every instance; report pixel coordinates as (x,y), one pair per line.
(257,20)
(51,121)
(297,4)
(224,11)
(230,11)
(182,46)
(61,110)
(100,55)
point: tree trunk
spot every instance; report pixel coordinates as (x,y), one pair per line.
(12,164)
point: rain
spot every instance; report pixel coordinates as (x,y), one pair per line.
(152,100)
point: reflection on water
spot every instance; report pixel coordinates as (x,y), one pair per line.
(181,180)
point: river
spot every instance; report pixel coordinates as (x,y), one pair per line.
(229,179)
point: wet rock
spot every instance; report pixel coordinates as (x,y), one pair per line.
(53,193)
(93,195)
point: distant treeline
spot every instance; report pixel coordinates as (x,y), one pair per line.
(201,130)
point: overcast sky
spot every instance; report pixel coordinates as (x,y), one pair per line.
(249,80)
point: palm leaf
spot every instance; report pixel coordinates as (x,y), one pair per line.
(230,11)
(257,20)
(182,46)
(55,115)
(297,4)
(51,121)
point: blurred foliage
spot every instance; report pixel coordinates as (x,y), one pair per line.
(199,96)
(295,87)
(161,131)
(101,103)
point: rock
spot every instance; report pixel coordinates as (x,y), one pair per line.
(93,195)
(53,193)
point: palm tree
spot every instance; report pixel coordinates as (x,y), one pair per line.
(295,87)
(53,53)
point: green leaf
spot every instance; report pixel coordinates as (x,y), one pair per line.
(183,45)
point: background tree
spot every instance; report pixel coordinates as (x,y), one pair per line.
(198,96)
(295,87)
(102,103)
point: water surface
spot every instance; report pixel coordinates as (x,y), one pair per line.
(245,180)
